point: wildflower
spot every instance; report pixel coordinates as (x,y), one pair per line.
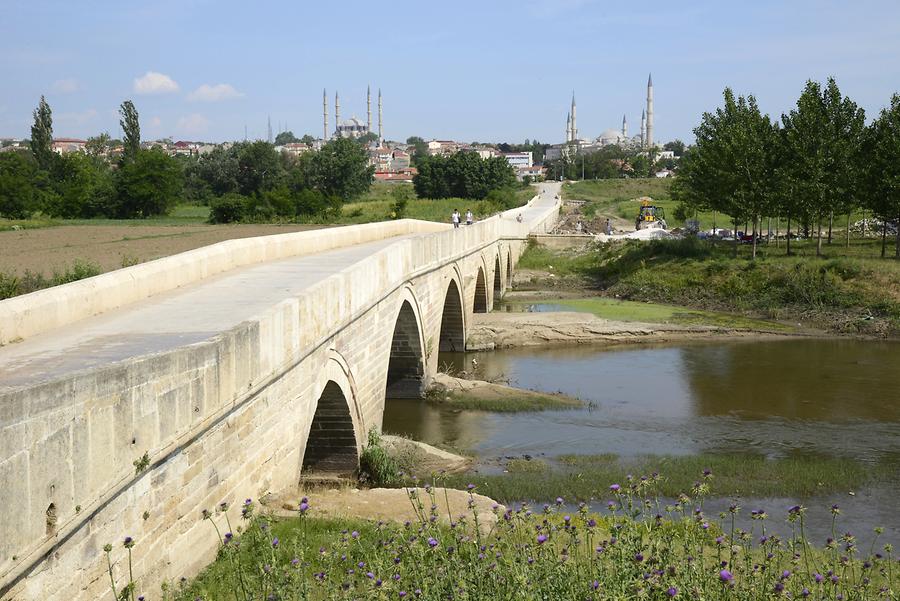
(615,488)
(432,542)
(595,585)
(223,506)
(707,473)
(559,500)
(370,575)
(592,523)
(354,534)
(228,537)
(304,506)
(725,576)
(785,574)
(129,542)
(566,519)
(401,594)
(672,591)
(779,587)
(275,542)
(470,487)
(639,558)
(541,539)
(295,562)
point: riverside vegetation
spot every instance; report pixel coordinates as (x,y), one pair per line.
(643,548)
(847,292)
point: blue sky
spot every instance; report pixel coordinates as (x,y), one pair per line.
(491,70)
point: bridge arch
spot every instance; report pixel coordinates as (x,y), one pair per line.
(498,282)
(333,441)
(509,273)
(406,361)
(452,335)
(480,304)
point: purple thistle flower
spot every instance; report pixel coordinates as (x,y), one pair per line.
(470,487)
(432,542)
(541,539)
(639,558)
(595,585)
(559,500)
(401,594)
(672,591)
(805,592)
(785,574)
(566,519)
(275,543)
(592,523)
(725,576)
(304,506)
(354,534)
(615,488)
(370,575)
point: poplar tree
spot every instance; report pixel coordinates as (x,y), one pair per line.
(42,135)
(881,178)
(131,129)
(821,140)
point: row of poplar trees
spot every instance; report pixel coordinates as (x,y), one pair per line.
(821,160)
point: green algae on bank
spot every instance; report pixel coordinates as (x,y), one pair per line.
(634,311)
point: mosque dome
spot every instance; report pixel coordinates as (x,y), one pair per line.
(610,135)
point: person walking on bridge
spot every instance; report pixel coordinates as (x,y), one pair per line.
(455,218)
(469,218)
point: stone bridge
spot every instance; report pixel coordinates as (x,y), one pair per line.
(132,400)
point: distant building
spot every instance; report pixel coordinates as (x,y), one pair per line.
(399,160)
(535,172)
(351,128)
(442,147)
(403,175)
(294,148)
(519,159)
(66,145)
(381,158)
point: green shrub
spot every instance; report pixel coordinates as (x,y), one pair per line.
(228,208)
(79,270)
(376,466)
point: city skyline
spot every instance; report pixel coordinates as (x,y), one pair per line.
(504,72)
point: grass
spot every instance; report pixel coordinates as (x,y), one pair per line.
(14,285)
(588,477)
(530,553)
(183,214)
(376,466)
(618,197)
(622,310)
(846,291)
(523,402)
(376,206)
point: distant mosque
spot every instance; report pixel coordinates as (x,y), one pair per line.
(353,127)
(616,137)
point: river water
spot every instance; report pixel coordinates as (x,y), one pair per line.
(793,397)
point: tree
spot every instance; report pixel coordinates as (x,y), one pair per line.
(419,149)
(462,175)
(131,129)
(259,167)
(676,146)
(149,184)
(821,139)
(729,169)
(42,135)
(97,146)
(308,140)
(285,137)
(84,188)
(341,169)
(19,196)
(880,153)
(367,138)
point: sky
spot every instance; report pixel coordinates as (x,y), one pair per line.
(487,70)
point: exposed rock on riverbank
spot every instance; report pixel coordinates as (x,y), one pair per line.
(423,458)
(505,330)
(487,396)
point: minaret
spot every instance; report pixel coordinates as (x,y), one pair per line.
(643,128)
(337,113)
(574,122)
(369,108)
(380,122)
(650,111)
(324,115)
(624,127)
(568,127)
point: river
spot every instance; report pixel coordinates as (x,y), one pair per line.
(777,398)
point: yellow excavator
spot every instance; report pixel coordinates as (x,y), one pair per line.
(650,216)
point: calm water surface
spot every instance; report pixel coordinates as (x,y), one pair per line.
(807,397)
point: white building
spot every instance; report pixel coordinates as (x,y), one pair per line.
(519,159)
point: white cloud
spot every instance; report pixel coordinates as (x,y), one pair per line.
(154,83)
(155,121)
(66,86)
(215,93)
(194,123)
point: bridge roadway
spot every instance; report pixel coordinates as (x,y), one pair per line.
(229,369)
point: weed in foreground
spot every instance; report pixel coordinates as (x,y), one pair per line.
(642,550)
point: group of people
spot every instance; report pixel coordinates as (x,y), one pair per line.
(455,218)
